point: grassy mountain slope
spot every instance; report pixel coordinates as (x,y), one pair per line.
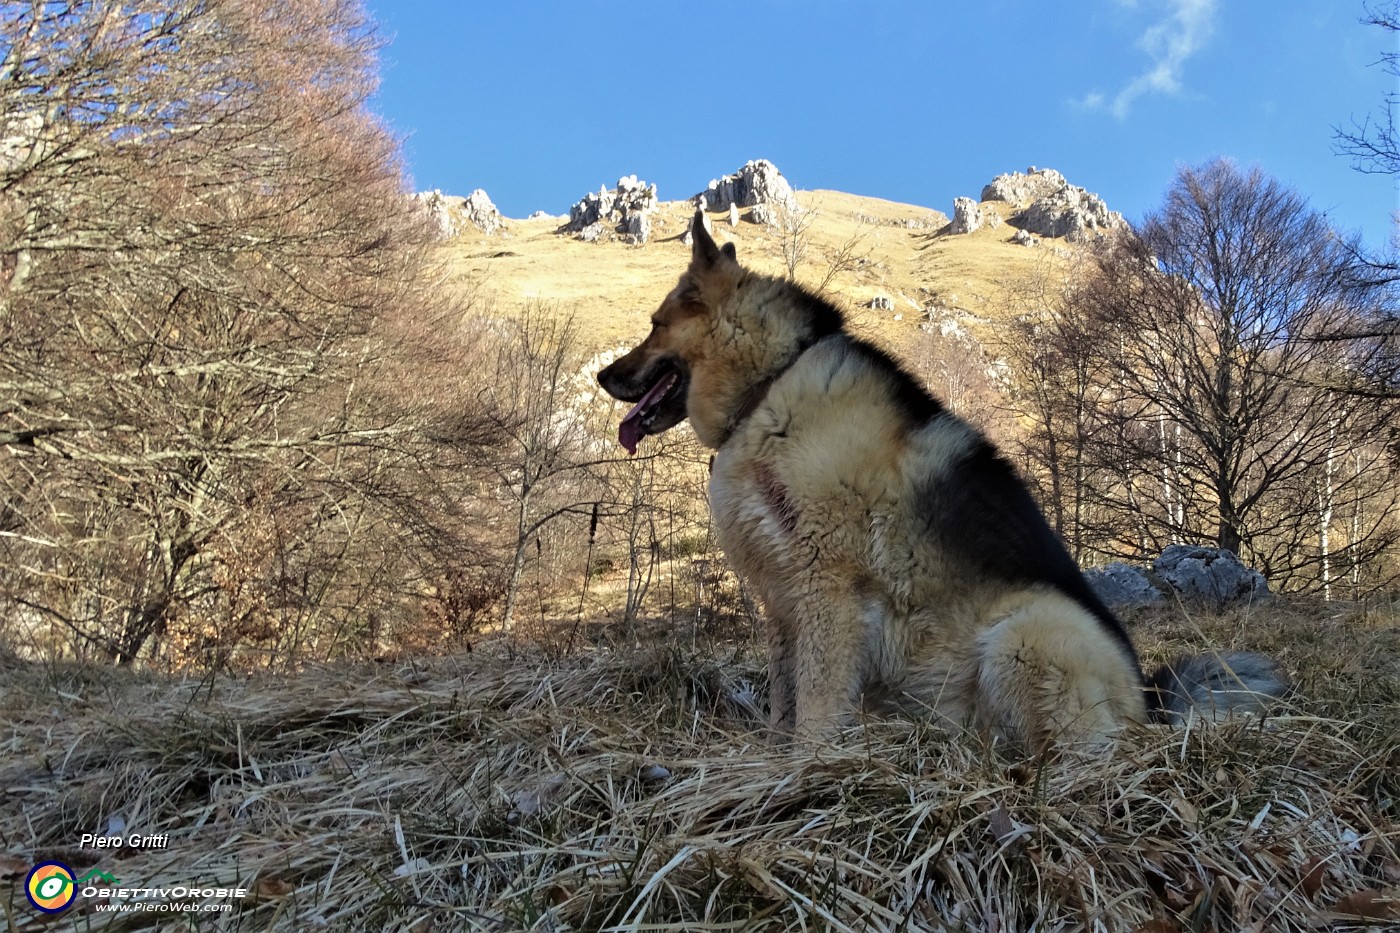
(612,286)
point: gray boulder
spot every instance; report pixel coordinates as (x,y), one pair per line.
(481,213)
(757,182)
(634,196)
(638,227)
(763,214)
(1122,586)
(435,205)
(1209,575)
(967,216)
(589,210)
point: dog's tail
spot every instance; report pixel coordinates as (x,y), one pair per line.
(1215,686)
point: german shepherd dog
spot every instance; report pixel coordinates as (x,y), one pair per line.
(902,563)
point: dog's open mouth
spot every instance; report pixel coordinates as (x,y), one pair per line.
(661,407)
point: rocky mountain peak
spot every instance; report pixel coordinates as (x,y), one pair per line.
(757,184)
(627,210)
(1047,205)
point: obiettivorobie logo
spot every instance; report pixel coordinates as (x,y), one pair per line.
(52,886)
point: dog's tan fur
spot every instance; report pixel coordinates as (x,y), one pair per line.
(835,489)
(810,503)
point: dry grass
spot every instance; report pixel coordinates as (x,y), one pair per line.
(631,791)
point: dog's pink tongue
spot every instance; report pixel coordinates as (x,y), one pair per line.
(629,432)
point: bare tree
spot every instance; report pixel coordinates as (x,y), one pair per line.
(657,509)
(794,226)
(848,257)
(202,231)
(1373,143)
(550,465)
(1060,384)
(1213,314)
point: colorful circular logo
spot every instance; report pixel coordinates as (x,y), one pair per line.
(50,887)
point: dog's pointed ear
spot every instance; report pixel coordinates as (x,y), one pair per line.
(704,253)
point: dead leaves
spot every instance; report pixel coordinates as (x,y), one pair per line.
(1370,904)
(270,887)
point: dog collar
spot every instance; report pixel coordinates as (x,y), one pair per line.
(755,398)
(760,392)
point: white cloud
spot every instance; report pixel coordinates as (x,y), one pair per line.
(1168,44)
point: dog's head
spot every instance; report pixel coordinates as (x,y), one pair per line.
(657,375)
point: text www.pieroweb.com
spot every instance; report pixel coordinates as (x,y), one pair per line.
(164,907)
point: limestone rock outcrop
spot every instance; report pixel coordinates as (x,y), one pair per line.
(1049,206)
(626,210)
(1071,212)
(967,216)
(1019,189)
(451,213)
(757,184)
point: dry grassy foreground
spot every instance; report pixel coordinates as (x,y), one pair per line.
(629,791)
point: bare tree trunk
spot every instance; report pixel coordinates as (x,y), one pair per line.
(1353,557)
(1326,501)
(1227,535)
(517,561)
(1054,468)
(1164,468)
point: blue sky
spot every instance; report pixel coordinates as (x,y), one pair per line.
(922,101)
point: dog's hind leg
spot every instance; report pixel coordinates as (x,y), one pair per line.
(1048,673)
